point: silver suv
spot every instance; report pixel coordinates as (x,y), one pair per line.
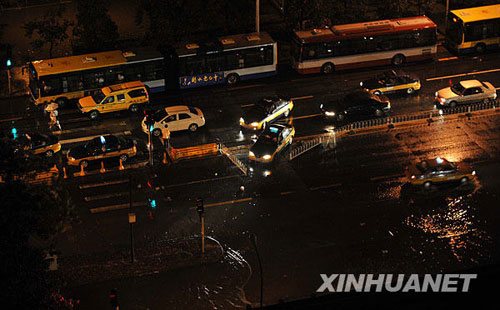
(464,92)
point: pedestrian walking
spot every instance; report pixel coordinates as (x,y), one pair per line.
(165,140)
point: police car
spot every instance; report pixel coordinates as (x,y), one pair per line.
(392,81)
(266,111)
(272,140)
(438,170)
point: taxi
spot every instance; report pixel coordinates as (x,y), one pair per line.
(272,140)
(265,111)
(121,97)
(101,148)
(39,144)
(438,170)
(391,82)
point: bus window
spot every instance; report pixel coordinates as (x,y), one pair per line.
(454,29)
(134,72)
(74,82)
(194,65)
(51,86)
(232,60)
(89,80)
(254,57)
(214,62)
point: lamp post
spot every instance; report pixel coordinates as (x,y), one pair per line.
(253,238)
(446,15)
(257,15)
(131,220)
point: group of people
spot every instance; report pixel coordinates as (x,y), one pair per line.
(52,110)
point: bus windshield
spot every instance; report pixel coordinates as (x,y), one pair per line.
(454,29)
(98,96)
(33,83)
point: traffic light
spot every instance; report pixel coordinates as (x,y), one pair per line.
(8,58)
(149,121)
(14,132)
(199,206)
(152,203)
(113,298)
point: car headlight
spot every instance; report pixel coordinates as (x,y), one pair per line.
(436,94)
(413,177)
(442,100)
(254,124)
(329,113)
(266,157)
(321,106)
(71,158)
(360,83)
(474,172)
(251,154)
(495,96)
(242,121)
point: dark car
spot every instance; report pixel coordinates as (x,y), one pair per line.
(356,105)
(391,82)
(39,144)
(100,148)
(266,111)
(272,140)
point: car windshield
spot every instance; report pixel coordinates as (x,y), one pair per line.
(457,88)
(98,96)
(159,115)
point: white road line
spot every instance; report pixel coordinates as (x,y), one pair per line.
(117,207)
(247,105)
(202,181)
(10,119)
(303,97)
(84,186)
(105,196)
(325,186)
(81,139)
(463,74)
(305,116)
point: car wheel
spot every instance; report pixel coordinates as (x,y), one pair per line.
(427,185)
(480,48)
(377,92)
(156,132)
(233,78)
(287,112)
(124,157)
(398,60)
(94,115)
(327,68)
(193,127)
(453,104)
(49,153)
(378,113)
(84,164)
(134,108)
(410,91)
(464,180)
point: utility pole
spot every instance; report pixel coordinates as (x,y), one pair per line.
(253,238)
(131,220)
(201,210)
(257,15)
(446,15)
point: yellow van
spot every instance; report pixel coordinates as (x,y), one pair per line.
(125,96)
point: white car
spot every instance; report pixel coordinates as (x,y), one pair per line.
(466,92)
(175,118)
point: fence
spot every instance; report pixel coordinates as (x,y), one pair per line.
(194,151)
(224,150)
(301,147)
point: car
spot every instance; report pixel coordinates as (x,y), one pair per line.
(356,105)
(102,147)
(39,144)
(175,118)
(121,97)
(391,82)
(465,92)
(266,111)
(438,170)
(270,142)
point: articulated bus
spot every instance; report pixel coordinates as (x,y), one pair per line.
(225,60)
(474,29)
(384,42)
(66,78)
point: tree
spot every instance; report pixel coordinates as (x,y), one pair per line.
(51,30)
(95,31)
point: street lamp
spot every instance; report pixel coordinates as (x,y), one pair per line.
(253,238)
(257,15)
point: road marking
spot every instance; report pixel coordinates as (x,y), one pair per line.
(449,58)
(117,207)
(225,202)
(463,74)
(202,181)
(11,119)
(247,86)
(286,193)
(84,186)
(325,186)
(387,177)
(247,105)
(104,196)
(305,116)
(497,88)
(303,97)
(81,139)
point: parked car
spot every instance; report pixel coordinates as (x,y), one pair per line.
(356,105)
(391,82)
(266,111)
(465,92)
(175,118)
(272,140)
(438,170)
(101,148)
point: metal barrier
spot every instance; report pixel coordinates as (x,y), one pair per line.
(238,163)
(301,147)
(194,151)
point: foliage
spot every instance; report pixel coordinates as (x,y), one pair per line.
(51,30)
(94,31)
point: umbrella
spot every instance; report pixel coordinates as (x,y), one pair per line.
(51,107)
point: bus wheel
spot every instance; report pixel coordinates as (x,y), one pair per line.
(94,115)
(480,48)
(134,108)
(233,78)
(61,102)
(398,60)
(49,153)
(410,91)
(377,92)
(327,68)
(427,185)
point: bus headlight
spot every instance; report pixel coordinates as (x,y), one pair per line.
(242,121)
(474,172)
(254,124)
(251,154)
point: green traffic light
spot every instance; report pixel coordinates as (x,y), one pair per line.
(9,63)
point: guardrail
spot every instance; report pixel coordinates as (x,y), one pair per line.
(238,163)
(301,147)
(194,151)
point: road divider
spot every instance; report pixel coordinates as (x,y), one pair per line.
(194,151)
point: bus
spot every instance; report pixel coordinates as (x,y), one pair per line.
(474,29)
(383,42)
(225,60)
(67,78)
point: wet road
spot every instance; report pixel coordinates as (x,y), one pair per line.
(343,207)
